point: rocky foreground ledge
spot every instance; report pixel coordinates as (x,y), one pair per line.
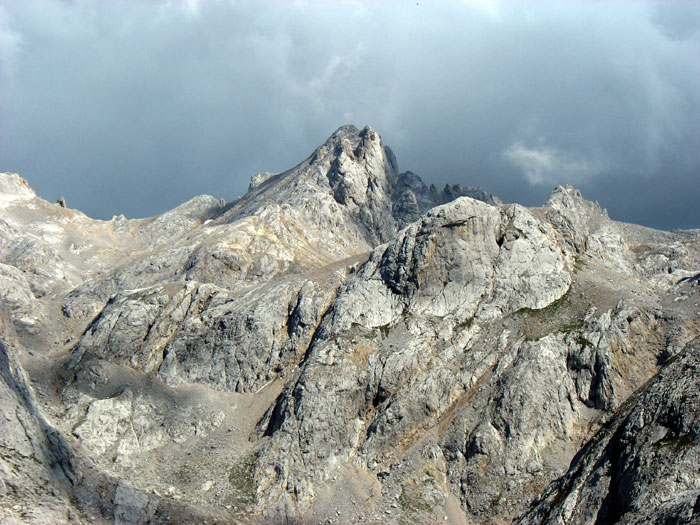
(345,344)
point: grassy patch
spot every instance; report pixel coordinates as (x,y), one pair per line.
(675,442)
(583,342)
(242,480)
(551,309)
(411,504)
(571,327)
(561,316)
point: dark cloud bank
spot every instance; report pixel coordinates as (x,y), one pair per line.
(135,106)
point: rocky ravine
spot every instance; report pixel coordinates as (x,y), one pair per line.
(344,344)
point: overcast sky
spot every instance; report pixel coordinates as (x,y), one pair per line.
(136,106)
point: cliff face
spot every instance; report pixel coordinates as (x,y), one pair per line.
(344,343)
(36,468)
(643,465)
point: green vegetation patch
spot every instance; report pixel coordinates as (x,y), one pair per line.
(561,316)
(571,327)
(411,504)
(583,342)
(676,443)
(242,480)
(551,309)
(411,501)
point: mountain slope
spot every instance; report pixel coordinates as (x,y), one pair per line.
(480,346)
(35,465)
(642,466)
(341,343)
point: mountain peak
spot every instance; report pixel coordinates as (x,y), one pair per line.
(570,203)
(352,182)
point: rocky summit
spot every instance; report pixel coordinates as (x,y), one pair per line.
(344,344)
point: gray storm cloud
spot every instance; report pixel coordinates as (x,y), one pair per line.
(134,106)
(544,165)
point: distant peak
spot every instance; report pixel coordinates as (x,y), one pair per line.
(564,197)
(568,200)
(349,131)
(355,145)
(347,128)
(567,189)
(367,131)
(413,181)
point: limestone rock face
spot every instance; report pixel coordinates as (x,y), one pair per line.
(642,466)
(28,313)
(345,344)
(14,188)
(35,464)
(205,334)
(117,427)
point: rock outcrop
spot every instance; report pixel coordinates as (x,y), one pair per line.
(36,467)
(643,465)
(345,344)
